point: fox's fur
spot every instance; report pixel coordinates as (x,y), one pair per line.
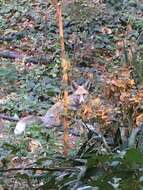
(53,115)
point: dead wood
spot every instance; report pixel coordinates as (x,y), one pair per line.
(9,118)
(42,59)
(13,36)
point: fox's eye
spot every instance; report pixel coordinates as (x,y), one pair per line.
(84,95)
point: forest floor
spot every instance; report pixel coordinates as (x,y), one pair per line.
(104,45)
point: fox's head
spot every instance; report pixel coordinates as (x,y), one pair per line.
(80,94)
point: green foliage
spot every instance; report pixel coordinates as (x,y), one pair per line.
(30,89)
(8,73)
(36,87)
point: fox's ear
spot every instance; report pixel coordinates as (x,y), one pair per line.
(74,85)
(87,85)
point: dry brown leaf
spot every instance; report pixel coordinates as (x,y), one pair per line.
(106,30)
(131,82)
(96,102)
(139,120)
(129,28)
(120,44)
(124,96)
(34,145)
(87,110)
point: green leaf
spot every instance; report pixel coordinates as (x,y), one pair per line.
(96,160)
(133,158)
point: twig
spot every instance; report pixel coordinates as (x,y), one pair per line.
(65,67)
(81,176)
(133,136)
(13,36)
(42,59)
(99,135)
(42,169)
(9,118)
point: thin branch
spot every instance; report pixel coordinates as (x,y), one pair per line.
(42,169)
(65,67)
(42,59)
(13,36)
(9,118)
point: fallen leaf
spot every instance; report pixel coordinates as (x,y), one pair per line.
(34,145)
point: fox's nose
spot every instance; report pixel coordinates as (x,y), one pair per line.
(81,99)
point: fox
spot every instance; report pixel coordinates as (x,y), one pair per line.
(53,116)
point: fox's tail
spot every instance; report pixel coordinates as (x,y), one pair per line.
(22,123)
